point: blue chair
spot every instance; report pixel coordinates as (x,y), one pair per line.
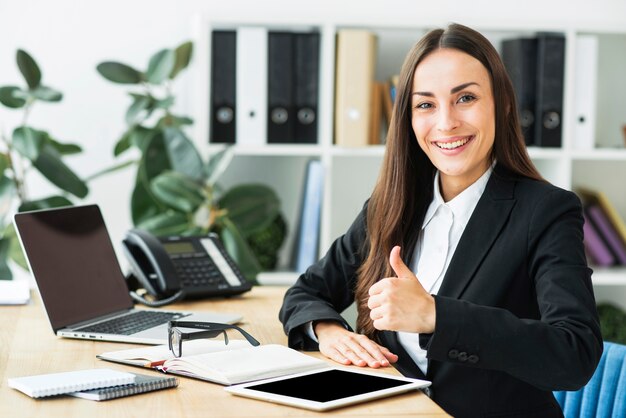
(605,394)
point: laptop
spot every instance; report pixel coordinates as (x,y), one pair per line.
(82,287)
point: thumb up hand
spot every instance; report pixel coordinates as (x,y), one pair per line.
(401,303)
(398,266)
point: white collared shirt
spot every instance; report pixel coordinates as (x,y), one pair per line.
(443,226)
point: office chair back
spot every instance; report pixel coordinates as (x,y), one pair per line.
(605,394)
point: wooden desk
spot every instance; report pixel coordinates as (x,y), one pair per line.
(38,350)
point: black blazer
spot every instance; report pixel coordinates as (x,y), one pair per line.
(516,316)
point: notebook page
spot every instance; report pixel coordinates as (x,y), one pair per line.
(252,363)
(144,356)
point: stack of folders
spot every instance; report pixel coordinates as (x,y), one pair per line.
(536,66)
(264,86)
(604,229)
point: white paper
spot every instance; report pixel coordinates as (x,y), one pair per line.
(14,292)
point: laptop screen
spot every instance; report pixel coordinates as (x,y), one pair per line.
(72,259)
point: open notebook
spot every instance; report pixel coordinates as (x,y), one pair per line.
(214,361)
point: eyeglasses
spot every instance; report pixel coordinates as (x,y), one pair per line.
(213,329)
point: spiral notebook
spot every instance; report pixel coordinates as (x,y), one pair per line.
(142,384)
(42,385)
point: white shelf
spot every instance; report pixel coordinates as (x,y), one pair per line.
(369,151)
(273,150)
(545,153)
(610,154)
(605,276)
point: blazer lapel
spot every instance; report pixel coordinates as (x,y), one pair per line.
(489,217)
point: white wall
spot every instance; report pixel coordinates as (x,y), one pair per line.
(70,37)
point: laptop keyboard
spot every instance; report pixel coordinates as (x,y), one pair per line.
(132,323)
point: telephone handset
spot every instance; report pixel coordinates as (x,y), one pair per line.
(177,267)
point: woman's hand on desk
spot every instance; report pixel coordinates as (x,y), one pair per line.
(347,347)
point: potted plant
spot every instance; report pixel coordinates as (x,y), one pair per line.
(28,149)
(175,191)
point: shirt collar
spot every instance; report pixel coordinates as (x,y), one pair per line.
(464,203)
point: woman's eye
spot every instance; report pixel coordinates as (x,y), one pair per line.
(466,98)
(424,106)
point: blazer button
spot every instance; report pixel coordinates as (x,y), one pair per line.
(473,359)
(462,356)
(454,353)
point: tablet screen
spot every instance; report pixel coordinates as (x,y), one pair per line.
(328,385)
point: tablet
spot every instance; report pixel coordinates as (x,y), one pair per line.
(329,388)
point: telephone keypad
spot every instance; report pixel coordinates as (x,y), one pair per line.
(199,272)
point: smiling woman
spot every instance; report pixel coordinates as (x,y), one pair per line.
(453,117)
(491,296)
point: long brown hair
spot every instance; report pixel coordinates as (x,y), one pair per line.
(405,184)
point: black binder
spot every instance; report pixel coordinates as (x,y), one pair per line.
(280,98)
(549,96)
(307,52)
(223,86)
(520,59)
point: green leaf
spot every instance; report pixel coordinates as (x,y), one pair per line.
(65,149)
(167,223)
(50,165)
(119,73)
(4,162)
(178,191)
(252,207)
(5,271)
(137,136)
(182,153)
(23,94)
(237,247)
(7,193)
(159,156)
(47,94)
(139,110)
(142,136)
(217,164)
(15,249)
(7,187)
(47,203)
(9,99)
(29,142)
(29,69)
(143,204)
(160,66)
(170,120)
(181,120)
(164,103)
(155,159)
(265,244)
(123,144)
(183,57)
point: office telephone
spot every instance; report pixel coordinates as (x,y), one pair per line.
(176,267)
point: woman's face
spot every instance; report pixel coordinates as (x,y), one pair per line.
(453,117)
